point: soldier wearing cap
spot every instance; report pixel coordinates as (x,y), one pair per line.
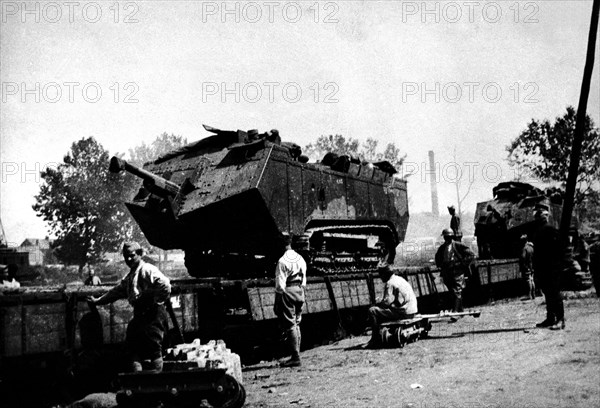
(526,265)
(454,259)
(290,283)
(146,289)
(398,302)
(546,267)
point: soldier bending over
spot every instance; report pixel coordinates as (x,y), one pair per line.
(146,289)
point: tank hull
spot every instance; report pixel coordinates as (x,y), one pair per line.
(236,201)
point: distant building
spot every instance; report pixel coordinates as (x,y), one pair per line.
(38,248)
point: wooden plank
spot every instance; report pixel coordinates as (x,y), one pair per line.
(255,304)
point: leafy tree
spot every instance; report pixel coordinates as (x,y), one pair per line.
(340,145)
(83,203)
(164,143)
(77,200)
(544,149)
(336,144)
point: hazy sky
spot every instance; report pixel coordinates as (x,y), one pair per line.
(425,75)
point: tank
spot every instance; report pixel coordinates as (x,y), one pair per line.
(500,222)
(227,199)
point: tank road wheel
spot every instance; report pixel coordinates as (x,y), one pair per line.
(231,395)
(387,337)
(400,337)
(426,329)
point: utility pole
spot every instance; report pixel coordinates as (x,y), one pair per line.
(568,203)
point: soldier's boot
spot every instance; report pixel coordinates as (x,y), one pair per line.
(550,321)
(294,345)
(559,325)
(458,306)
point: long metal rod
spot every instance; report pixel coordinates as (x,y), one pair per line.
(579,125)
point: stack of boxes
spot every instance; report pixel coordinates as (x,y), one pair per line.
(212,355)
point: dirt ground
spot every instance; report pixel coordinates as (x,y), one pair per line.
(497,360)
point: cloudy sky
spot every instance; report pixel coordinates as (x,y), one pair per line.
(442,76)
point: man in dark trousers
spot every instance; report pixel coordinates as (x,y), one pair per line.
(454,259)
(398,302)
(526,265)
(290,283)
(547,268)
(147,290)
(455,224)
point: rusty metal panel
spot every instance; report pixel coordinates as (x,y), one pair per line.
(274,191)
(378,201)
(357,193)
(332,196)
(294,177)
(311,182)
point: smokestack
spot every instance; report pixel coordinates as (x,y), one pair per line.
(434,195)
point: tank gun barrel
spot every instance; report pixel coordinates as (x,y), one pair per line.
(151,181)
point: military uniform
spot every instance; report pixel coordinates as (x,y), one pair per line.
(146,289)
(526,267)
(398,302)
(453,258)
(290,282)
(547,268)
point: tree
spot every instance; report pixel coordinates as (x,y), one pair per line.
(340,145)
(544,149)
(457,185)
(77,200)
(335,144)
(164,143)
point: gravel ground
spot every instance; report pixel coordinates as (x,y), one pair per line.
(497,360)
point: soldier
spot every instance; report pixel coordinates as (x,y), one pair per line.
(398,302)
(454,259)
(526,265)
(290,283)
(92,279)
(455,224)
(546,267)
(147,290)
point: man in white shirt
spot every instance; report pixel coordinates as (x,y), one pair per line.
(398,302)
(290,282)
(146,289)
